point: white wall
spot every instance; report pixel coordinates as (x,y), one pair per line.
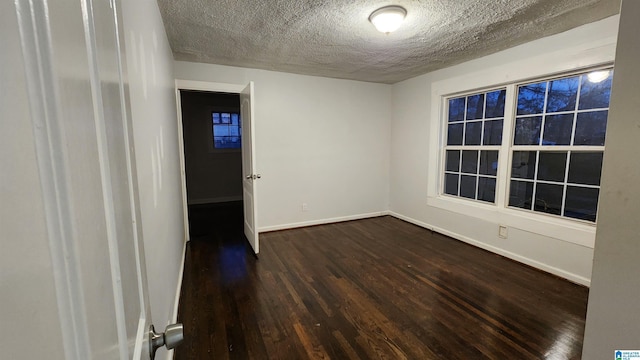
(613,316)
(547,244)
(320,141)
(153,110)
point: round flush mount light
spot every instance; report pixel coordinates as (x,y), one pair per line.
(388,19)
(598,76)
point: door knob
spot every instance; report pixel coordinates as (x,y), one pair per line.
(249,176)
(172,337)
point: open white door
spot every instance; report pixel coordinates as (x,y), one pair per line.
(78,109)
(249,167)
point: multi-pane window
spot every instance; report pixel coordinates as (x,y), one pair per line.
(558,145)
(227,131)
(474,136)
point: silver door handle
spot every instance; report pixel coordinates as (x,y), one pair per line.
(254,176)
(173,336)
(249,177)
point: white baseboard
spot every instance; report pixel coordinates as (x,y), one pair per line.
(214,200)
(519,258)
(322,221)
(174,316)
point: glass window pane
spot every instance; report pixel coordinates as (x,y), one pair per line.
(487,189)
(527,131)
(216,118)
(523,164)
(468,186)
(562,94)
(581,203)
(473,133)
(475,106)
(548,198)
(218,142)
(591,128)
(234,119)
(492,132)
(585,168)
(595,94)
(470,161)
(221,130)
(453,160)
(520,194)
(451,184)
(226,118)
(552,165)
(456,109)
(454,134)
(495,104)
(488,162)
(233,131)
(557,129)
(531,98)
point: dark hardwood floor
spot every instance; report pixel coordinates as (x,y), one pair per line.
(369,289)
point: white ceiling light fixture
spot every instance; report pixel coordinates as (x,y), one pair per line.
(598,76)
(388,19)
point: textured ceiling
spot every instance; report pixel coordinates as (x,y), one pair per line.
(334,38)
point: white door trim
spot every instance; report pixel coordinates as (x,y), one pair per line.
(198,86)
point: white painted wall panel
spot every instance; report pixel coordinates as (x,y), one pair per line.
(320,141)
(153,110)
(415,154)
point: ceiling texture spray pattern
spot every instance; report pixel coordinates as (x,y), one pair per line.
(334,38)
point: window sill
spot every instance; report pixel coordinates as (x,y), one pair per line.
(571,231)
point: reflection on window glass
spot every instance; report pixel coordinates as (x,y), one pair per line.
(226,130)
(456,109)
(581,203)
(521,194)
(492,132)
(531,98)
(468,186)
(473,133)
(473,123)
(585,168)
(488,162)
(486,189)
(475,107)
(591,128)
(563,94)
(557,129)
(552,165)
(453,160)
(527,131)
(595,91)
(451,184)
(548,198)
(562,176)
(495,104)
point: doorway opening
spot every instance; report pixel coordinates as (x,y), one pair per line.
(212,135)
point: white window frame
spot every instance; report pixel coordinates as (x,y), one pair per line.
(573,59)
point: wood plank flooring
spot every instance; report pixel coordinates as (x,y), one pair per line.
(369,289)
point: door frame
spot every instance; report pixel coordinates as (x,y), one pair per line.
(181,84)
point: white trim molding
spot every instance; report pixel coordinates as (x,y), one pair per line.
(322,221)
(519,258)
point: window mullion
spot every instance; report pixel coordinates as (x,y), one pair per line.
(504,155)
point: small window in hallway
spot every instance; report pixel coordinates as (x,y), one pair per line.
(227,131)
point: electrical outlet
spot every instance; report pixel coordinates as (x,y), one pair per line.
(503,232)
(305,207)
